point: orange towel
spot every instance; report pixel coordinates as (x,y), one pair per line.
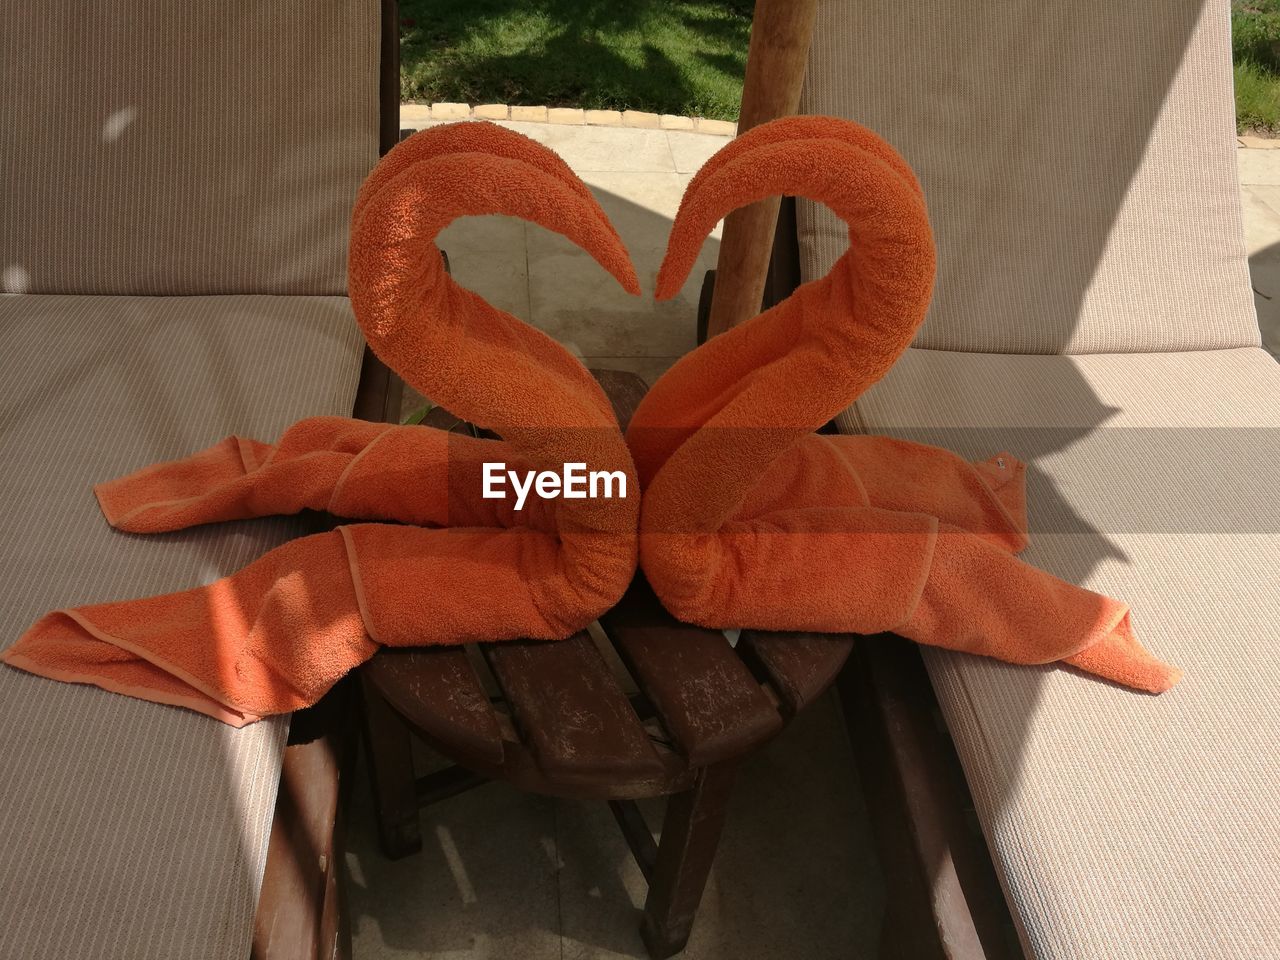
(750,519)
(453,566)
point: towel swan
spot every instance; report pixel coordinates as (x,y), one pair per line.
(450,566)
(751,519)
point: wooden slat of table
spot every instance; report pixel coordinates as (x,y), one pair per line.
(571,711)
(706,697)
(799,665)
(437,691)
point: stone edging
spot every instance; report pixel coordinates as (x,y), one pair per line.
(629,118)
(635,119)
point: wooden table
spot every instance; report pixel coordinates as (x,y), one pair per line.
(647,707)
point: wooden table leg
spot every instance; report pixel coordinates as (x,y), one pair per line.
(390,754)
(690,834)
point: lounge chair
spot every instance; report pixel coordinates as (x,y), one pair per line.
(177,184)
(1092,315)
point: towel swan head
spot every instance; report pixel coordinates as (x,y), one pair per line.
(416,317)
(891,259)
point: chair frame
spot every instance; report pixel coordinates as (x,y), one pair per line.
(301,911)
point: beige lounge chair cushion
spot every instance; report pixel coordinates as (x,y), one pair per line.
(1123,825)
(166,149)
(1078,160)
(129,829)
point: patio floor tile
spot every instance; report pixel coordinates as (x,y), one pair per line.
(487,255)
(577,303)
(1258,166)
(572,299)
(587,148)
(691,150)
(483,888)
(641,205)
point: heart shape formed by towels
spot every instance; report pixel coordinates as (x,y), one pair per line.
(751,519)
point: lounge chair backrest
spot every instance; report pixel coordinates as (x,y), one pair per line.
(1078,160)
(217,151)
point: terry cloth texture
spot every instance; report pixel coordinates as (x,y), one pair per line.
(157,149)
(1059,146)
(1122,827)
(450,566)
(750,519)
(132,830)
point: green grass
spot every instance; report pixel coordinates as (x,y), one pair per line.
(665,56)
(1257,98)
(673,56)
(1255,45)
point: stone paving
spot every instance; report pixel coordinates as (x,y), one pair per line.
(413,113)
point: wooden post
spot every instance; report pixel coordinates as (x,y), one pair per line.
(389,80)
(780,35)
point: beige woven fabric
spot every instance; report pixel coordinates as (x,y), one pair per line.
(1123,825)
(1078,160)
(131,830)
(148,148)
(1079,165)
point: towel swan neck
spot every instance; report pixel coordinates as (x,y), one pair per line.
(828,357)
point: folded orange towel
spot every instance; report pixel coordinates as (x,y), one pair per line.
(454,566)
(750,519)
